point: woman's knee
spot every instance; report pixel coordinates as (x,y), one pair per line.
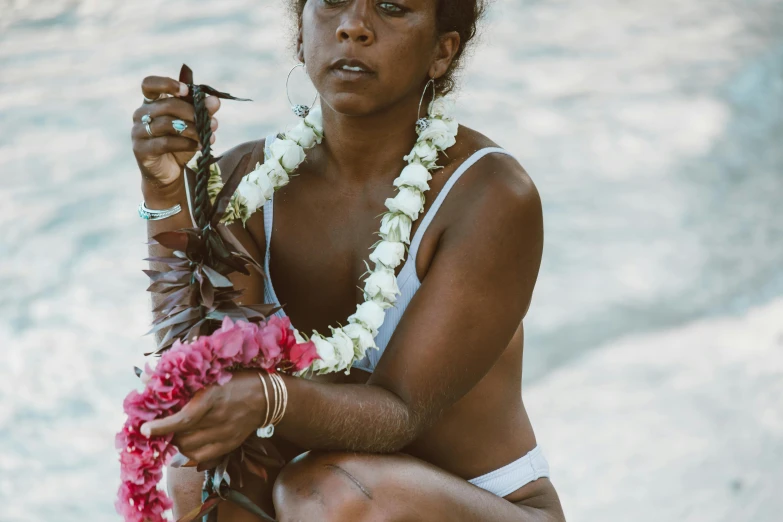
(324,487)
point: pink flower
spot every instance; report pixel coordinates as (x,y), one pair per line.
(182,371)
(303,355)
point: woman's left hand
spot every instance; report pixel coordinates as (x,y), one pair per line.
(217,420)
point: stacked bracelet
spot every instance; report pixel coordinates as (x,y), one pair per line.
(154,215)
(280,393)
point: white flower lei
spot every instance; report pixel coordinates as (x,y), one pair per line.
(348,344)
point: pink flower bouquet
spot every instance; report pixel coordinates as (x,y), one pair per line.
(181,372)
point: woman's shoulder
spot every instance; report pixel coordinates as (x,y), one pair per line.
(496,179)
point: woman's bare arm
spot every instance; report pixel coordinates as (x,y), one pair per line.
(476,293)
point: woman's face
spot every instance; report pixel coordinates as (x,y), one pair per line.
(366,55)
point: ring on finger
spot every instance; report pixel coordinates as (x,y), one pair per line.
(179,126)
(146,120)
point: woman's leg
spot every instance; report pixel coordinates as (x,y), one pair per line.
(184,486)
(398,488)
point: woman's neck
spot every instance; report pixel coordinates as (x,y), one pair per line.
(357,148)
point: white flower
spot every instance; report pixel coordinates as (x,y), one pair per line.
(442,107)
(288,152)
(315,120)
(275,171)
(423,153)
(303,134)
(192,164)
(327,353)
(362,339)
(409,201)
(369,314)
(382,284)
(388,253)
(298,336)
(256,189)
(344,349)
(396,227)
(453,126)
(414,175)
(214,169)
(439,133)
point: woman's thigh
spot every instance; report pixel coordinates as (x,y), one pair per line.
(329,487)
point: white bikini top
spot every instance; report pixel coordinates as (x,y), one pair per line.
(407,280)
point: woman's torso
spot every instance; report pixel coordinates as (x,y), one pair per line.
(322,233)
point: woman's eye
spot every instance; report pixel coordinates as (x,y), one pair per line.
(334,2)
(391,8)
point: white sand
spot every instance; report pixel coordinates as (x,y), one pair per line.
(682,425)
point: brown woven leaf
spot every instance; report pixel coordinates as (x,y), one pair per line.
(224,196)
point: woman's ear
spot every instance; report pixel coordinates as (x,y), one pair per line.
(448,45)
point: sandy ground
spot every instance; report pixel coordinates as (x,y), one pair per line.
(684,425)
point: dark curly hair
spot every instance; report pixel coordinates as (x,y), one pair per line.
(462,16)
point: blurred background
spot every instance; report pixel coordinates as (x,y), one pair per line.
(654,355)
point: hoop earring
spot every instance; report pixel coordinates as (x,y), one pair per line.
(423,123)
(300,110)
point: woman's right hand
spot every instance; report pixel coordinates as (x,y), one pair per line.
(162,156)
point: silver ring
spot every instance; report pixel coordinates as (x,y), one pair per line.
(146,120)
(179,126)
(148,100)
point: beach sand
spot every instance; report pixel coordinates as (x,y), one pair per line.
(683,425)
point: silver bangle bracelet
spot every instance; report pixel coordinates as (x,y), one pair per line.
(154,215)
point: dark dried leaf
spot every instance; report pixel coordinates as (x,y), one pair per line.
(174,240)
(219,249)
(224,196)
(181,296)
(171,261)
(265,309)
(172,335)
(164,287)
(229,295)
(207,290)
(208,505)
(195,330)
(218,280)
(241,500)
(186,315)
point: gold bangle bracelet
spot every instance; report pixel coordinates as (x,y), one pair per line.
(264,430)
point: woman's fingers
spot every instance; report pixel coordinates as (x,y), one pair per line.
(186,419)
(211,451)
(193,440)
(153,86)
(163,126)
(164,145)
(175,107)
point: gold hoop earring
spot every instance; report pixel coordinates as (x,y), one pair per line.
(300,110)
(423,123)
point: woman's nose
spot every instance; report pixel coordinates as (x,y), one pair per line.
(355,25)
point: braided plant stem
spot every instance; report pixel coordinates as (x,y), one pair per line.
(202,207)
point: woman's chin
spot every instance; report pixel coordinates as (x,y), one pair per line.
(353,104)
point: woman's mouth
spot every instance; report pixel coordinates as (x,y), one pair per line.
(351,70)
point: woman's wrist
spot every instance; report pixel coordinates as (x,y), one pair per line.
(158,197)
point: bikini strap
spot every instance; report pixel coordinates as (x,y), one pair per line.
(414,248)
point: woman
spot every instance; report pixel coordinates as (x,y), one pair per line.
(432,427)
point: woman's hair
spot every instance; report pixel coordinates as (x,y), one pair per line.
(461,16)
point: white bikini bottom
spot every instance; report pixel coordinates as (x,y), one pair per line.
(511,477)
(501,482)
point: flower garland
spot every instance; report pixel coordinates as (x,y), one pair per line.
(349,343)
(180,373)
